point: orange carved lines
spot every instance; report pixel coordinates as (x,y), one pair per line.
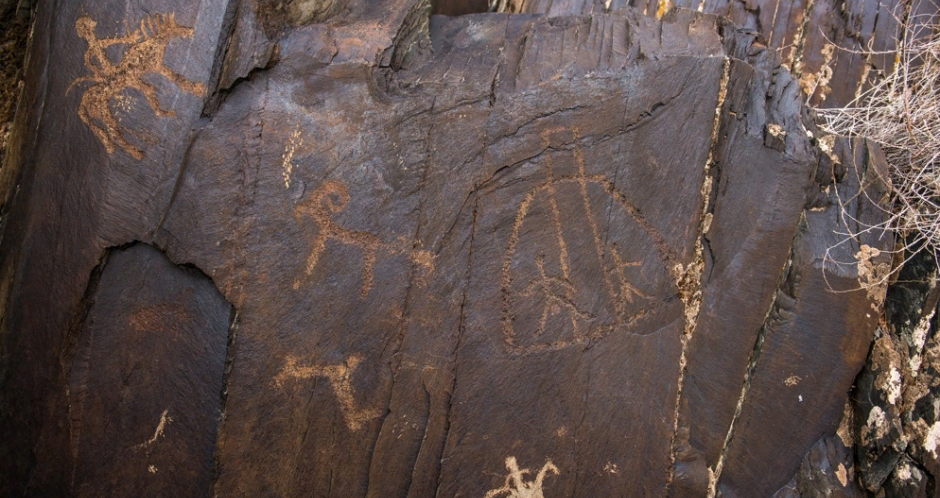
(331,198)
(517,487)
(557,293)
(146,49)
(339,377)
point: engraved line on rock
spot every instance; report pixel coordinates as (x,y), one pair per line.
(559,292)
(146,49)
(517,487)
(161,427)
(339,377)
(331,198)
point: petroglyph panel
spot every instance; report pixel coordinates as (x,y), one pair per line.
(572,262)
(486,255)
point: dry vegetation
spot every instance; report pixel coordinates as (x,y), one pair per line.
(14,28)
(901,111)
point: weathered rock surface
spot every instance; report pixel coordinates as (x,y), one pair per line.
(588,255)
(147,365)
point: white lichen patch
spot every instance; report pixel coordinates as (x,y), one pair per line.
(872,276)
(810,82)
(827,144)
(876,425)
(845,426)
(893,387)
(919,338)
(903,471)
(932,439)
(792,381)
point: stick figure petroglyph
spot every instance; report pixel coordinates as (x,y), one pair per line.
(557,294)
(327,200)
(339,377)
(146,49)
(331,198)
(517,487)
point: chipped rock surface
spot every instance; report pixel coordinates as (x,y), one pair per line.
(348,248)
(898,455)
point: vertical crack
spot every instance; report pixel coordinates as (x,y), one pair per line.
(229,362)
(796,58)
(68,359)
(715,474)
(689,278)
(395,363)
(177,185)
(584,410)
(460,332)
(424,437)
(226,33)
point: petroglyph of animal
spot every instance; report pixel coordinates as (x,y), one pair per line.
(330,198)
(556,294)
(146,48)
(339,377)
(517,487)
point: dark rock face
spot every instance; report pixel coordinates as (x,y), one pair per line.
(486,255)
(145,379)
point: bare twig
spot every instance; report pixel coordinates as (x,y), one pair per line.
(901,112)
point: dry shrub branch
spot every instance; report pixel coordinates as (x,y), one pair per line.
(901,112)
(14,27)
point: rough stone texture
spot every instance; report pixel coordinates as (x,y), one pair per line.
(579,255)
(145,381)
(896,395)
(822,42)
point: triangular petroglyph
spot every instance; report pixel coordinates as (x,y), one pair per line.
(556,292)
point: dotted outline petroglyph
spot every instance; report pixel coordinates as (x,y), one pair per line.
(339,377)
(331,198)
(287,160)
(516,486)
(146,49)
(558,291)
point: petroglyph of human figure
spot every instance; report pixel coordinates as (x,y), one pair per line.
(556,293)
(517,487)
(146,49)
(339,377)
(330,198)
